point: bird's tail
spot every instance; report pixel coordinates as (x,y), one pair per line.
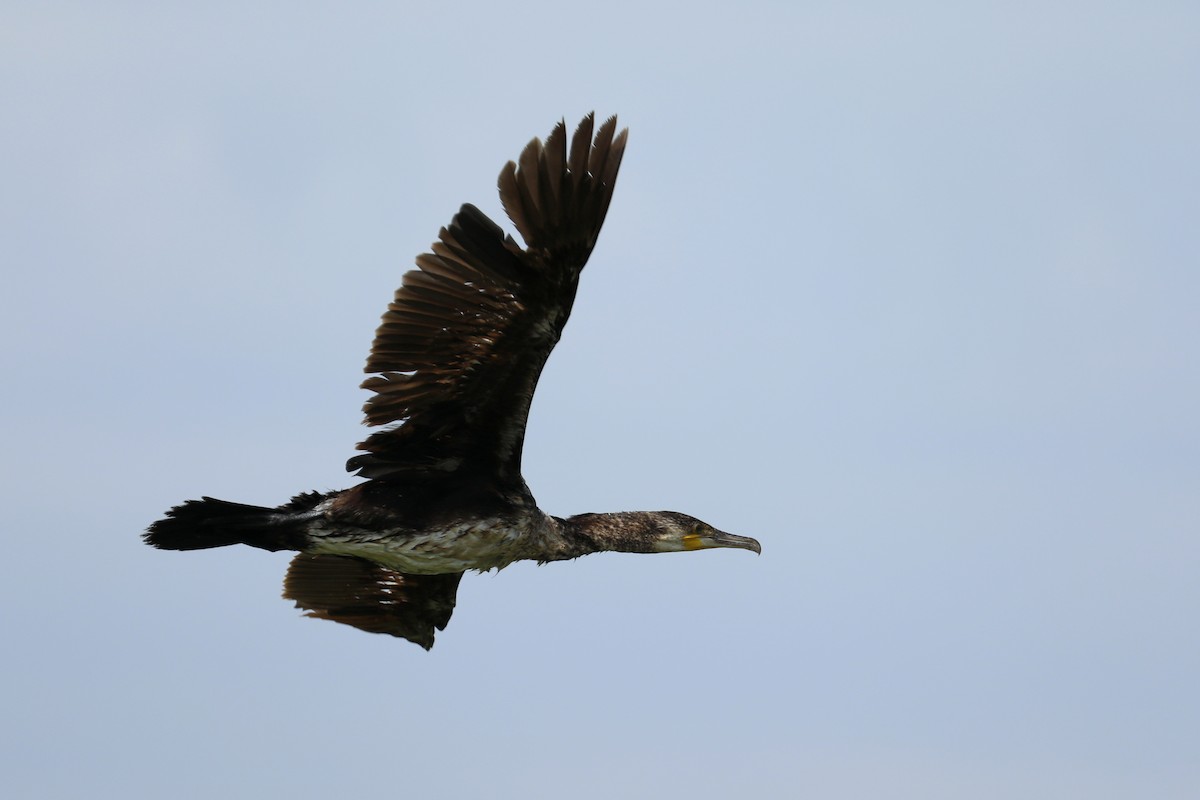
(208,522)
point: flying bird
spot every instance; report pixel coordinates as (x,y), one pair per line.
(454,365)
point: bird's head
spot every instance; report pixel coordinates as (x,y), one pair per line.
(674,532)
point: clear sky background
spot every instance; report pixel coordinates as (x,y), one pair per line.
(910,295)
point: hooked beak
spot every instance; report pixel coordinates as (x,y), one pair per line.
(699,541)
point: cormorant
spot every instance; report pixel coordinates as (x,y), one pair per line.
(455,362)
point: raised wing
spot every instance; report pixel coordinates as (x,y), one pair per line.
(464,341)
(371,597)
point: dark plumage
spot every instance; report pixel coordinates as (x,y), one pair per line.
(455,363)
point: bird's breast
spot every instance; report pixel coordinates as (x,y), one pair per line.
(479,544)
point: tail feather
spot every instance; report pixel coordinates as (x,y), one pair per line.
(208,522)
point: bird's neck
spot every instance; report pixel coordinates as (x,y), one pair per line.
(622,532)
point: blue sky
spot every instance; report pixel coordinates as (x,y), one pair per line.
(908,295)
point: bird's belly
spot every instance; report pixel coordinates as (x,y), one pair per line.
(479,545)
